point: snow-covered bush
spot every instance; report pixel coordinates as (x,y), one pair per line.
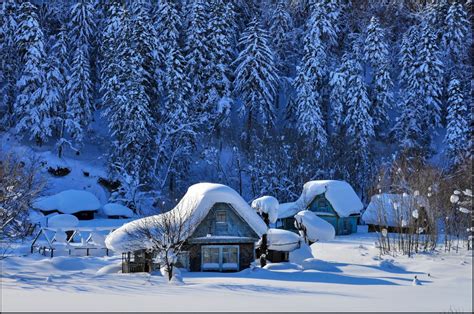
(19,185)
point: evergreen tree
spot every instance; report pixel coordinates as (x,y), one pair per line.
(359,125)
(217,84)
(80,87)
(457,31)
(256,79)
(458,138)
(166,23)
(32,110)
(281,26)
(112,39)
(80,103)
(130,119)
(9,60)
(143,37)
(197,47)
(377,56)
(179,126)
(427,76)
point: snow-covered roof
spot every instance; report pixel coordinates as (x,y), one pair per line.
(340,194)
(68,202)
(268,205)
(64,222)
(283,240)
(393,210)
(114,209)
(317,229)
(193,208)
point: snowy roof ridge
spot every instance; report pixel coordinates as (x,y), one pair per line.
(340,194)
(193,207)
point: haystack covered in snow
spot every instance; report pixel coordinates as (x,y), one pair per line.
(79,203)
(221,231)
(332,200)
(314,228)
(394,211)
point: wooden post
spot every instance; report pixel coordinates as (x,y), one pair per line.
(263,251)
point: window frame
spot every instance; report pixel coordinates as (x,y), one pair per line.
(221,256)
(221,211)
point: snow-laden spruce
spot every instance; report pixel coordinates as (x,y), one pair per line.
(193,208)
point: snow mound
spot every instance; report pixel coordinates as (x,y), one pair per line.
(268,205)
(283,240)
(113,209)
(392,210)
(68,202)
(301,254)
(193,208)
(63,222)
(317,229)
(282,266)
(110,269)
(340,194)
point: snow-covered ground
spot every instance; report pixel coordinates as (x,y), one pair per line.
(347,275)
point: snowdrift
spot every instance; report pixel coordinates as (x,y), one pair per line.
(317,229)
(68,202)
(339,193)
(193,208)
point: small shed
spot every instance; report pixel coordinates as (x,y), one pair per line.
(117,211)
(222,236)
(332,200)
(82,204)
(396,212)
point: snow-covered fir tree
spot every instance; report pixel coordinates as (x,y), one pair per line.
(377,57)
(256,79)
(9,60)
(310,80)
(427,76)
(144,38)
(31,109)
(178,124)
(196,45)
(359,125)
(112,39)
(457,31)
(458,137)
(217,84)
(80,86)
(167,21)
(281,27)
(130,119)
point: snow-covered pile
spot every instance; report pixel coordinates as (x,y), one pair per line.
(317,229)
(283,240)
(68,202)
(301,254)
(114,209)
(268,205)
(63,222)
(340,194)
(193,208)
(393,210)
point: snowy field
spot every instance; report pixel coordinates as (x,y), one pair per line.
(347,276)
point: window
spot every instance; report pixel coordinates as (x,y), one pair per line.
(221,217)
(221,258)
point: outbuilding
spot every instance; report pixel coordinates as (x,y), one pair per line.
(332,200)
